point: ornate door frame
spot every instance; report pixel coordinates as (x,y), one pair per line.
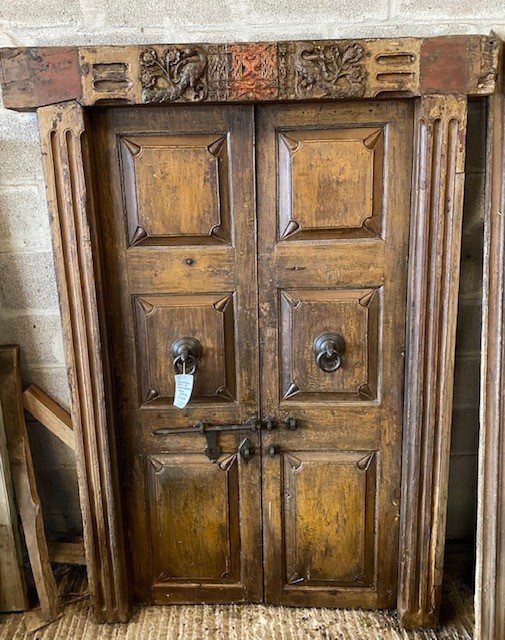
(439,74)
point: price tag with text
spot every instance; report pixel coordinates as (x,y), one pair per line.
(183,389)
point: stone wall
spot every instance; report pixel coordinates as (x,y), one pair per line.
(29,313)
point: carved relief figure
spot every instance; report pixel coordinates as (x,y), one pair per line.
(179,74)
(327,70)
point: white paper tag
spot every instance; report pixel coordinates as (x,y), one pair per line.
(183,389)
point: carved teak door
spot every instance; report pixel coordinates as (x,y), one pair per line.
(267,248)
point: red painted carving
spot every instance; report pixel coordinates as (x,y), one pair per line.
(253,72)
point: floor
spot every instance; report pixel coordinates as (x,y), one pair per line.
(233,622)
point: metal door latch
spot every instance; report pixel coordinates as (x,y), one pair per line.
(246,450)
(212,450)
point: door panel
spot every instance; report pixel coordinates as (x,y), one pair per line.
(328,508)
(336,180)
(176,202)
(176,188)
(344,200)
(307,313)
(195,516)
(162,319)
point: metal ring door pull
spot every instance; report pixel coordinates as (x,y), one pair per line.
(329,347)
(186,353)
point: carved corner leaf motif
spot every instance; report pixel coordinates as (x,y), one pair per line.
(139,234)
(365,462)
(221,304)
(180,73)
(214,148)
(133,148)
(294,462)
(367,298)
(223,392)
(226,463)
(156,464)
(371,141)
(291,228)
(292,144)
(295,578)
(329,71)
(292,390)
(364,392)
(151,395)
(294,303)
(146,306)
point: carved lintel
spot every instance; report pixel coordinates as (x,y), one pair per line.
(66,168)
(251,71)
(431,328)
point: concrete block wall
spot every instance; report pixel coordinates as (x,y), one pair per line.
(29,313)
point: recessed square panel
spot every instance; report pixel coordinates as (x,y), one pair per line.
(194,508)
(165,318)
(329,507)
(330,183)
(176,189)
(307,314)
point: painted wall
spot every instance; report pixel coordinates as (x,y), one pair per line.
(29,313)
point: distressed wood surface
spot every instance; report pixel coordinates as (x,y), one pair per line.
(23,478)
(245,72)
(431,326)
(66,166)
(13,595)
(490,562)
(333,219)
(181,181)
(50,414)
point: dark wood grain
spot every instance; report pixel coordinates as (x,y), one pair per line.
(431,326)
(69,194)
(322,485)
(194,526)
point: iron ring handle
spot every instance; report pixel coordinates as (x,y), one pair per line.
(328,363)
(186,353)
(329,348)
(190,362)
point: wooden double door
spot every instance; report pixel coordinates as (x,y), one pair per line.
(276,238)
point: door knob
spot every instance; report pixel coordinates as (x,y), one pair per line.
(273,450)
(329,348)
(186,353)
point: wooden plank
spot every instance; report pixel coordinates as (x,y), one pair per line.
(23,477)
(50,414)
(490,563)
(67,552)
(13,596)
(39,76)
